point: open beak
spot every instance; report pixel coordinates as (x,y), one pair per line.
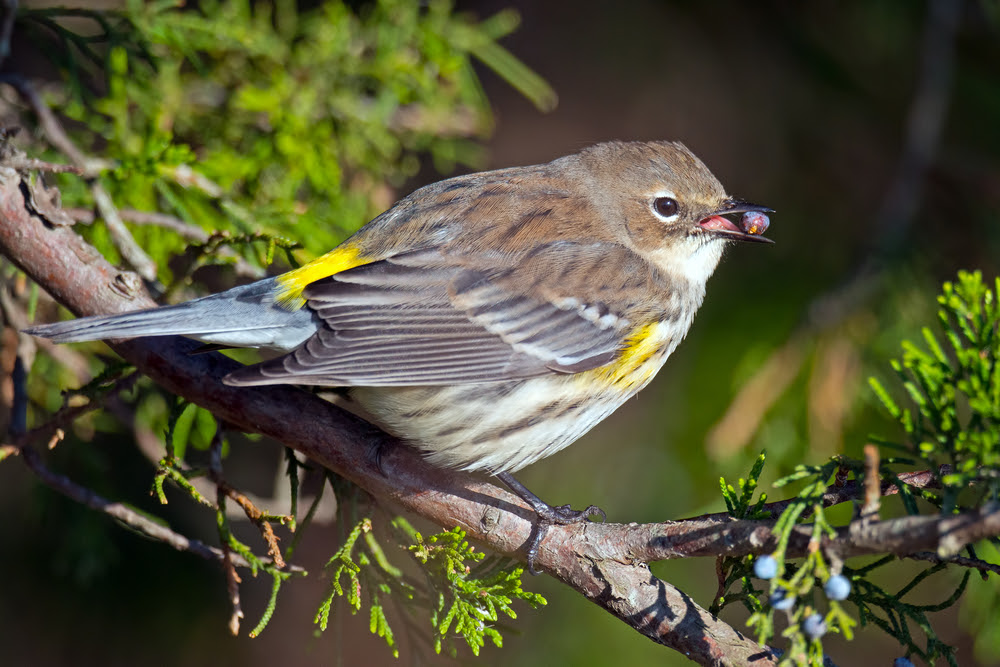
(738,231)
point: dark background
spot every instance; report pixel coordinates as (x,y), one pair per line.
(814,109)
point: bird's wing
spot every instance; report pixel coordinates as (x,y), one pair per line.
(424,318)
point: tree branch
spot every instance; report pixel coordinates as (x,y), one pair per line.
(944,534)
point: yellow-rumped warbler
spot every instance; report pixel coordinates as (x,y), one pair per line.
(489,319)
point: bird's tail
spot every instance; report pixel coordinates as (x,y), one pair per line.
(245,316)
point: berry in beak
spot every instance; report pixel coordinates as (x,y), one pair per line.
(752,224)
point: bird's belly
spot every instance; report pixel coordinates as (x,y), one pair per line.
(504,426)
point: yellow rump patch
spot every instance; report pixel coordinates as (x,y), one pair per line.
(291,284)
(638,362)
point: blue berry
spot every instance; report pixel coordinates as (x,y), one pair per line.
(902,662)
(814,626)
(781,600)
(754,222)
(765,567)
(837,587)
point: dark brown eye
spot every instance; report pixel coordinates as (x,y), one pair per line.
(665,206)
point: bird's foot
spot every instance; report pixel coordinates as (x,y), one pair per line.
(562,515)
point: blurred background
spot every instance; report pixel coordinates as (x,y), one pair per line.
(872,129)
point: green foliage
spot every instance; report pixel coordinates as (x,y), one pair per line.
(467,599)
(952,427)
(253,117)
(740,506)
(463,595)
(954,387)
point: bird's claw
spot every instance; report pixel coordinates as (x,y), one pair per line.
(563,515)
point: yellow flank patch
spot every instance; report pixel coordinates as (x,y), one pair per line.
(291,284)
(638,362)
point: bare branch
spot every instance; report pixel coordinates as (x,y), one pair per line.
(32,164)
(176,225)
(944,534)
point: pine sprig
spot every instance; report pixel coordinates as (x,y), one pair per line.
(951,425)
(461,595)
(954,390)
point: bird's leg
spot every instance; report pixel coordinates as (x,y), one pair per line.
(547,515)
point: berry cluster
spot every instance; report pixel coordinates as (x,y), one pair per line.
(837,587)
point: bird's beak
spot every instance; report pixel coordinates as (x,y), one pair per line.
(719,224)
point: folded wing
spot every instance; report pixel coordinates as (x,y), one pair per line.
(425,318)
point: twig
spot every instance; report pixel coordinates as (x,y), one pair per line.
(174,224)
(873,489)
(256,517)
(23,357)
(233,580)
(68,414)
(22,163)
(224,490)
(187,177)
(123,513)
(19,403)
(945,534)
(961,561)
(129,249)
(849,491)
(151,447)
(181,228)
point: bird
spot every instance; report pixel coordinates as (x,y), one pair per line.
(489,319)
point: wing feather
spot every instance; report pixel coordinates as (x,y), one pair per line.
(425,318)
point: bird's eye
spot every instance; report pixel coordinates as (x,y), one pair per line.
(665,206)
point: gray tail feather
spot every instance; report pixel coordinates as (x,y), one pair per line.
(170,320)
(244,316)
